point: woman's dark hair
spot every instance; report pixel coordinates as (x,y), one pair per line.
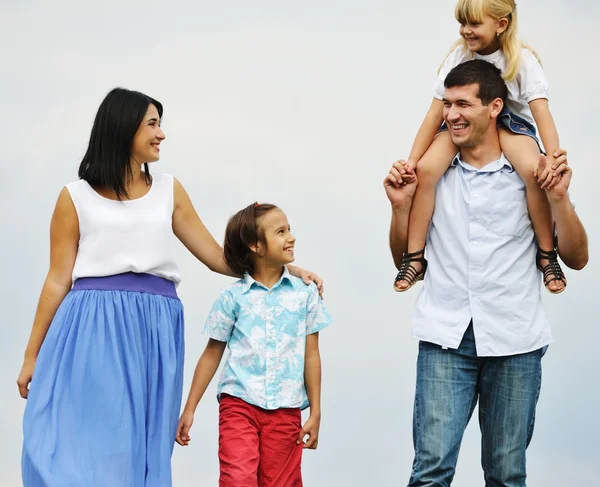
(243,230)
(106,162)
(482,73)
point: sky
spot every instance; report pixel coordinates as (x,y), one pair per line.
(305,105)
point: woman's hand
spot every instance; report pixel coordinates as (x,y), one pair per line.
(307,277)
(25,377)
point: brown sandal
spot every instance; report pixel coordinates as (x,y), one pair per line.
(552,271)
(408,273)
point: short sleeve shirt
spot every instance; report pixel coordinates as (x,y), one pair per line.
(265,330)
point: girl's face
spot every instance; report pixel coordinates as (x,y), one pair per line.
(482,37)
(148,137)
(279,240)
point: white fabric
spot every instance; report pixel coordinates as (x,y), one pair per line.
(529,84)
(125,236)
(481,251)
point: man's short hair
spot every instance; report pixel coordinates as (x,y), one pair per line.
(479,72)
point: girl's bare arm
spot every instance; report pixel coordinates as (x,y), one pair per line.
(548,133)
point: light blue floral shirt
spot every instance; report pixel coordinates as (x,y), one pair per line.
(266,335)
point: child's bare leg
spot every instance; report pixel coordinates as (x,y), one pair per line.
(430,169)
(523,153)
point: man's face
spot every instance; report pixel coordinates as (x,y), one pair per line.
(467,118)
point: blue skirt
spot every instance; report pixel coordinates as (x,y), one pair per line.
(105,396)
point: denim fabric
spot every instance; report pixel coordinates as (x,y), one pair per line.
(449,385)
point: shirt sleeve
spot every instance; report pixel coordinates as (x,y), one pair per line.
(222,317)
(454,59)
(532,80)
(317,316)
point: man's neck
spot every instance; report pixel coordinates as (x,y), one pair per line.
(486,151)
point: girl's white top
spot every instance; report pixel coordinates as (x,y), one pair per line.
(529,84)
(125,236)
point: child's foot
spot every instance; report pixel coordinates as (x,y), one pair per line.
(554,278)
(411,271)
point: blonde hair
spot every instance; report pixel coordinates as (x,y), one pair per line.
(474,11)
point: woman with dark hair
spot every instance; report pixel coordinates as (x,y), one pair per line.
(107,338)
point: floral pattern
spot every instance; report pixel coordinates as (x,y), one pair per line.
(265,330)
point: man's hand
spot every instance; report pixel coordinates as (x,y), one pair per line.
(399,191)
(407,171)
(558,187)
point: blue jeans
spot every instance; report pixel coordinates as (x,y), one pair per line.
(449,384)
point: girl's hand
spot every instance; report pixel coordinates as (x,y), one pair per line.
(561,172)
(407,172)
(310,428)
(548,173)
(398,191)
(25,377)
(183,428)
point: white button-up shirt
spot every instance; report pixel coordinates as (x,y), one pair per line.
(481,250)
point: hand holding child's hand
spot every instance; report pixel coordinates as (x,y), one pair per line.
(407,172)
(310,429)
(183,428)
(559,188)
(398,191)
(550,168)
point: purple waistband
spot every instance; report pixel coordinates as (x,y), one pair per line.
(129,281)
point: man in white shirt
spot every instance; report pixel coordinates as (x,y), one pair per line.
(479,316)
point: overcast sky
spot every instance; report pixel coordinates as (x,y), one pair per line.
(305,105)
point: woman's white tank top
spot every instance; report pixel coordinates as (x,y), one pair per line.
(125,236)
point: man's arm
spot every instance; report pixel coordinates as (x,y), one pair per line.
(572,242)
(400,195)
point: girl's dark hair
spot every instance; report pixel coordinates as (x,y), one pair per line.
(106,162)
(242,231)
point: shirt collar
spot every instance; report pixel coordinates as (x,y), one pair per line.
(491,167)
(248,281)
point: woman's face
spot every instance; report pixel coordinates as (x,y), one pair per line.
(148,137)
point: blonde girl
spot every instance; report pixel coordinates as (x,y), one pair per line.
(488,30)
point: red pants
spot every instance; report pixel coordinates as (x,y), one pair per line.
(257,447)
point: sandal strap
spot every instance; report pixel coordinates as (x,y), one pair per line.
(411,257)
(552,270)
(407,272)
